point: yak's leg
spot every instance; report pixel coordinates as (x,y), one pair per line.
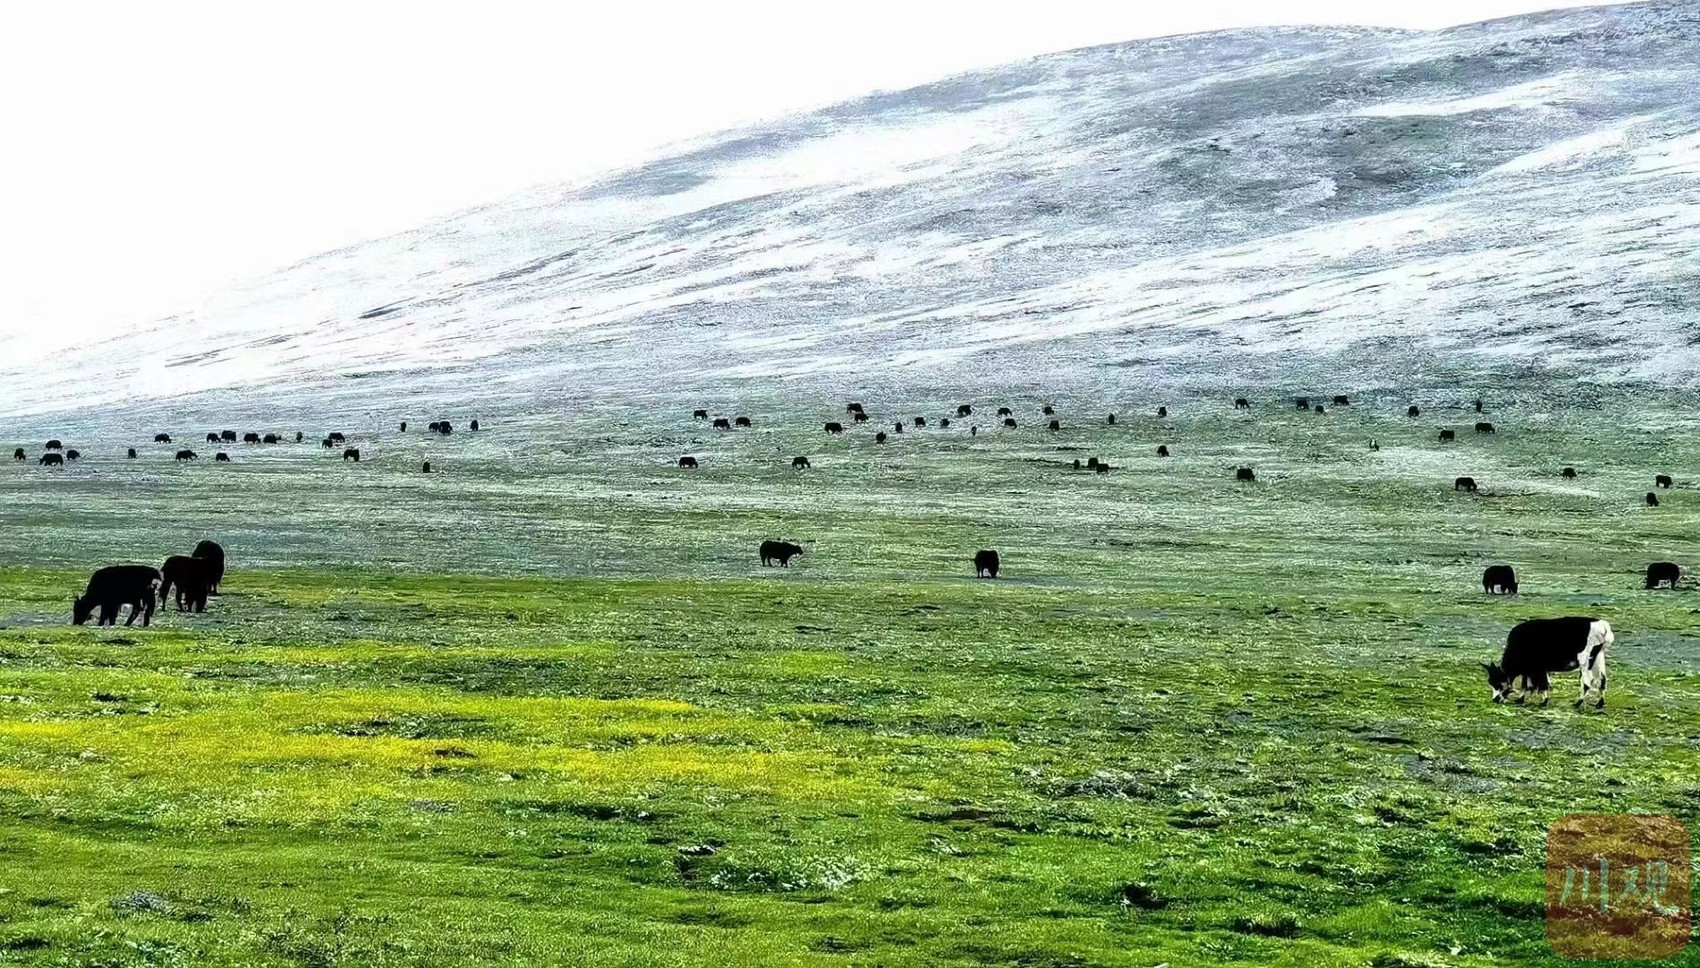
(1587,674)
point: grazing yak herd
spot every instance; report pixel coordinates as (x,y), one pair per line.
(1534,650)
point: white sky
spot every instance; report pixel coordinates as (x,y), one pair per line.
(152,152)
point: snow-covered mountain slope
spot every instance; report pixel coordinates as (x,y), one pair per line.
(1522,190)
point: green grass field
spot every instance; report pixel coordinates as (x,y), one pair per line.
(543,706)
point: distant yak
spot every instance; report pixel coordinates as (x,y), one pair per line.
(1652,500)
(799,463)
(1341,400)
(444,429)
(433,426)
(834,427)
(1483,427)
(920,421)
(1162,411)
(19,454)
(228,436)
(1162,450)
(1050,411)
(1241,403)
(1245,474)
(741,422)
(985,564)
(52,460)
(338,438)
(427,468)
(689,463)
(404,426)
(1413,412)
(860,417)
(1102,468)
(1499,580)
(212,438)
(780,551)
(1478,405)
(699,414)
(897,427)
(1009,422)
(250,438)
(1303,403)
(879,438)
(1446,435)
(192,579)
(721,423)
(271,439)
(221,458)
(1467,484)
(1664,481)
(53,445)
(1111,420)
(1321,409)
(944,423)
(1569,473)
(1055,426)
(162,438)
(964,410)
(1005,412)
(130,454)
(1665,573)
(852,408)
(352,453)
(185,455)
(474,426)
(73,454)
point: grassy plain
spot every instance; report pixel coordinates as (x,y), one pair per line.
(542,706)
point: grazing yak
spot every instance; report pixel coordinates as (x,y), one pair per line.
(740,422)
(799,463)
(964,411)
(130,454)
(213,553)
(1483,427)
(1245,474)
(52,460)
(1009,423)
(1341,400)
(920,421)
(689,463)
(162,438)
(185,455)
(1102,468)
(860,417)
(1111,420)
(1077,463)
(1055,426)
(113,587)
(1478,404)
(1241,403)
(433,426)
(1569,473)
(944,423)
(221,458)
(974,430)
(1050,410)
(879,438)
(780,551)
(352,453)
(73,454)
(985,564)
(53,445)
(852,408)
(298,436)
(1092,463)
(212,438)
(444,429)
(250,438)
(699,414)
(1467,484)
(1162,450)
(1663,573)
(404,426)
(1005,412)
(426,469)
(1446,435)
(227,436)
(1652,500)
(1413,412)
(328,444)
(1321,409)
(1162,411)
(834,427)
(271,439)
(897,427)
(721,423)
(337,438)
(1539,647)
(192,577)
(473,426)
(1499,580)
(1303,403)
(18,454)
(1664,481)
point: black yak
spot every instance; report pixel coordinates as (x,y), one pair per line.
(1341,400)
(434,426)
(1009,422)
(741,422)
(1005,412)
(1663,573)
(473,426)
(192,578)
(852,408)
(271,439)
(1303,403)
(1241,403)
(1465,484)
(780,551)
(1537,648)
(1056,425)
(920,421)
(52,460)
(1499,580)
(1664,481)
(336,438)
(404,426)
(213,553)
(985,564)
(221,458)
(699,414)
(897,427)
(444,429)
(426,469)
(799,463)
(185,455)
(73,454)
(1652,500)
(1245,474)
(964,410)
(1413,412)
(944,423)
(879,438)
(834,427)
(162,438)
(130,454)
(54,445)
(113,587)
(1483,427)
(250,438)
(352,453)
(1050,410)
(212,438)
(1162,411)
(1478,405)
(860,417)
(19,454)
(1569,473)
(1162,450)
(227,436)
(1446,435)
(689,463)
(721,423)
(1111,420)
(1321,409)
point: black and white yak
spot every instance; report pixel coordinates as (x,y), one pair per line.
(1537,648)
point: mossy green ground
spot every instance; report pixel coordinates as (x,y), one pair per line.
(543,707)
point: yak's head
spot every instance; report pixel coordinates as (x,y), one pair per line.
(1498,681)
(81,609)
